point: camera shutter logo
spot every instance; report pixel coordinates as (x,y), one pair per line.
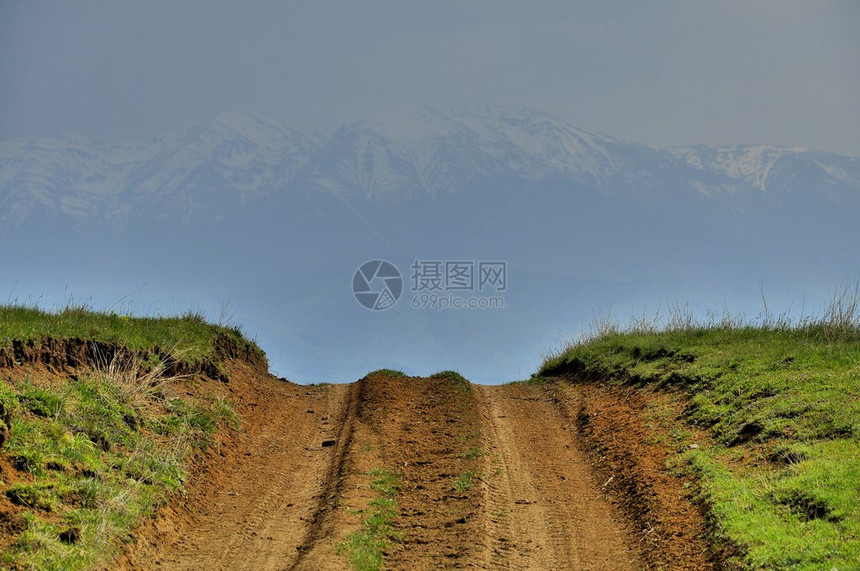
(377,285)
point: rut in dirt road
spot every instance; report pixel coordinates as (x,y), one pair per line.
(266,514)
(544,507)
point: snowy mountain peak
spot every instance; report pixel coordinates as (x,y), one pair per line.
(481,123)
(755,164)
(241,127)
(524,142)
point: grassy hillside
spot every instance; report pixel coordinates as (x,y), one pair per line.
(86,456)
(782,403)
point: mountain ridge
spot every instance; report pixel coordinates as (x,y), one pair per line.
(382,160)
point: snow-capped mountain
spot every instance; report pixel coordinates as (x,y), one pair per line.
(235,160)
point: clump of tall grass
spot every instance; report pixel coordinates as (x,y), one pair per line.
(139,380)
(839,319)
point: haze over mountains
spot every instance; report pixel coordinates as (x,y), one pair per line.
(274,222)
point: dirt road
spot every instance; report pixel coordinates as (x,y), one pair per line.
(489,478)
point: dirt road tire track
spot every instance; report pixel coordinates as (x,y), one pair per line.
(268,509)
(333,479)
(543,507)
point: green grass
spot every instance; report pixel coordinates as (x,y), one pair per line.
(364,548)
(465,481)
(97,457)
(475,453)
(467,436)
(189,337)
(782,403)
(387,372)
(454,378)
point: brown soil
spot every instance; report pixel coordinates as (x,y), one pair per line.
(520,477)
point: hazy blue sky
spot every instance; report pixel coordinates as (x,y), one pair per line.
(780,71)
